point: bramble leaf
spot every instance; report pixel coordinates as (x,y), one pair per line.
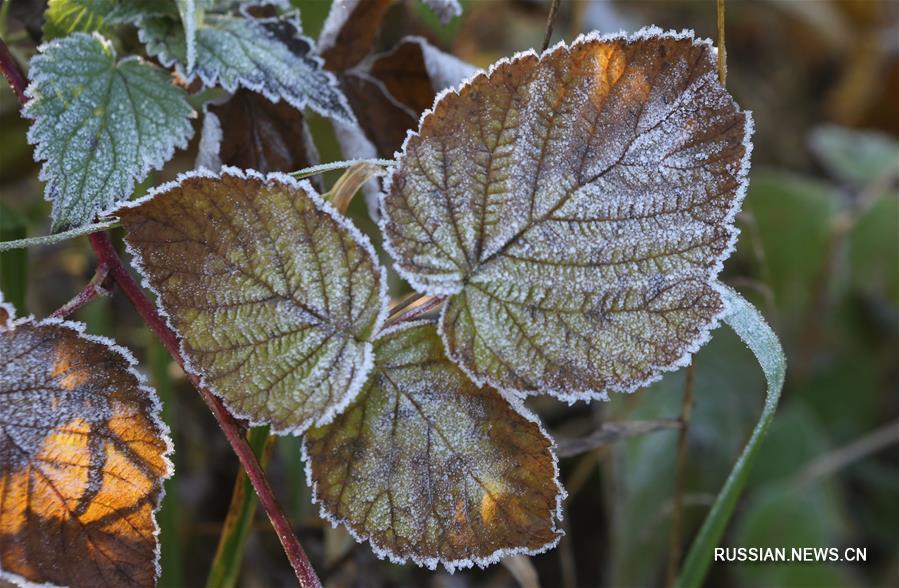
(84,455)
(267,55)
(577,208)
(99,125)
(251,132)
(430,467)
(274,294)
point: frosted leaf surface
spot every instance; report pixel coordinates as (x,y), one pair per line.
(577,208)
(84,455)
(430,467)
(99,125)
(267,55)
(274,294)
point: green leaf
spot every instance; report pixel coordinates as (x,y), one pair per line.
(749,324)
(576,208)
(274,294)
(64,17)
(99,125)
(83,456)
(267,55)
(854,156)
(430,467)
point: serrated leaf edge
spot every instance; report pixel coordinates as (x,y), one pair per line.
(320,204)
(645,33)
(517,404)
(155,417)
(147,163)
(170,62)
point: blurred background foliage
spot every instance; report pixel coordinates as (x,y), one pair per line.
(818,254)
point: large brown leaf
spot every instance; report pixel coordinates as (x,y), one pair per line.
(576,207)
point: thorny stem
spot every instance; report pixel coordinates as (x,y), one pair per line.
(550,21)
(12,73)
(106,255)
(93,289)
(677,513)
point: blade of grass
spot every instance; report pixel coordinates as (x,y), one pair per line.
(225,569)
(750,325)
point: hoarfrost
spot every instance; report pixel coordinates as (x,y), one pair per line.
(99,125)
(267,55)
(429,467)
(84,458)
(577,206)
(274,294)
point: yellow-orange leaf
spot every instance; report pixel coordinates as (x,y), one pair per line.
(83,455)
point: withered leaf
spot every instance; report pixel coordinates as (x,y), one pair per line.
(274,294)
(576,207)
(83,455)
(251,132)
(350,32)
(430,467)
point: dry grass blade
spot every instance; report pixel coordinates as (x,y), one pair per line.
(350,182)
(611,433)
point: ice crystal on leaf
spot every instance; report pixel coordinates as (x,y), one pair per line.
(98,124)
(268,55)
(577,207)
(274,294)
(430,467)
(84,455)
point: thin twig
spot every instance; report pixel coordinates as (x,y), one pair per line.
(550,22)
(677,514)
(106,254)
(13,73)
(333,165)
(93,289)
(610,433)
(57,237)
(722,49)
(830,463)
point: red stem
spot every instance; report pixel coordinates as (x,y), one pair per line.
(12,73)
(93,289)
(106,255)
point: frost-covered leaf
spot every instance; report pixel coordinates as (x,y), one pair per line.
(248,131)
(267,55)
(191,17)
(430,467)
(390,94)
(274,294)
(350,31)
(576,207)
(84,455)
(99,125)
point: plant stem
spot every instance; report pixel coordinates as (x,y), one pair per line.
(722,49)
(107,255)
(680,478)
(12,73)
(57,237)
(550,21)
(93,289)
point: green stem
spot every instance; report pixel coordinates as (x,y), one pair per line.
(748,323)
(225,569)
(57,237)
